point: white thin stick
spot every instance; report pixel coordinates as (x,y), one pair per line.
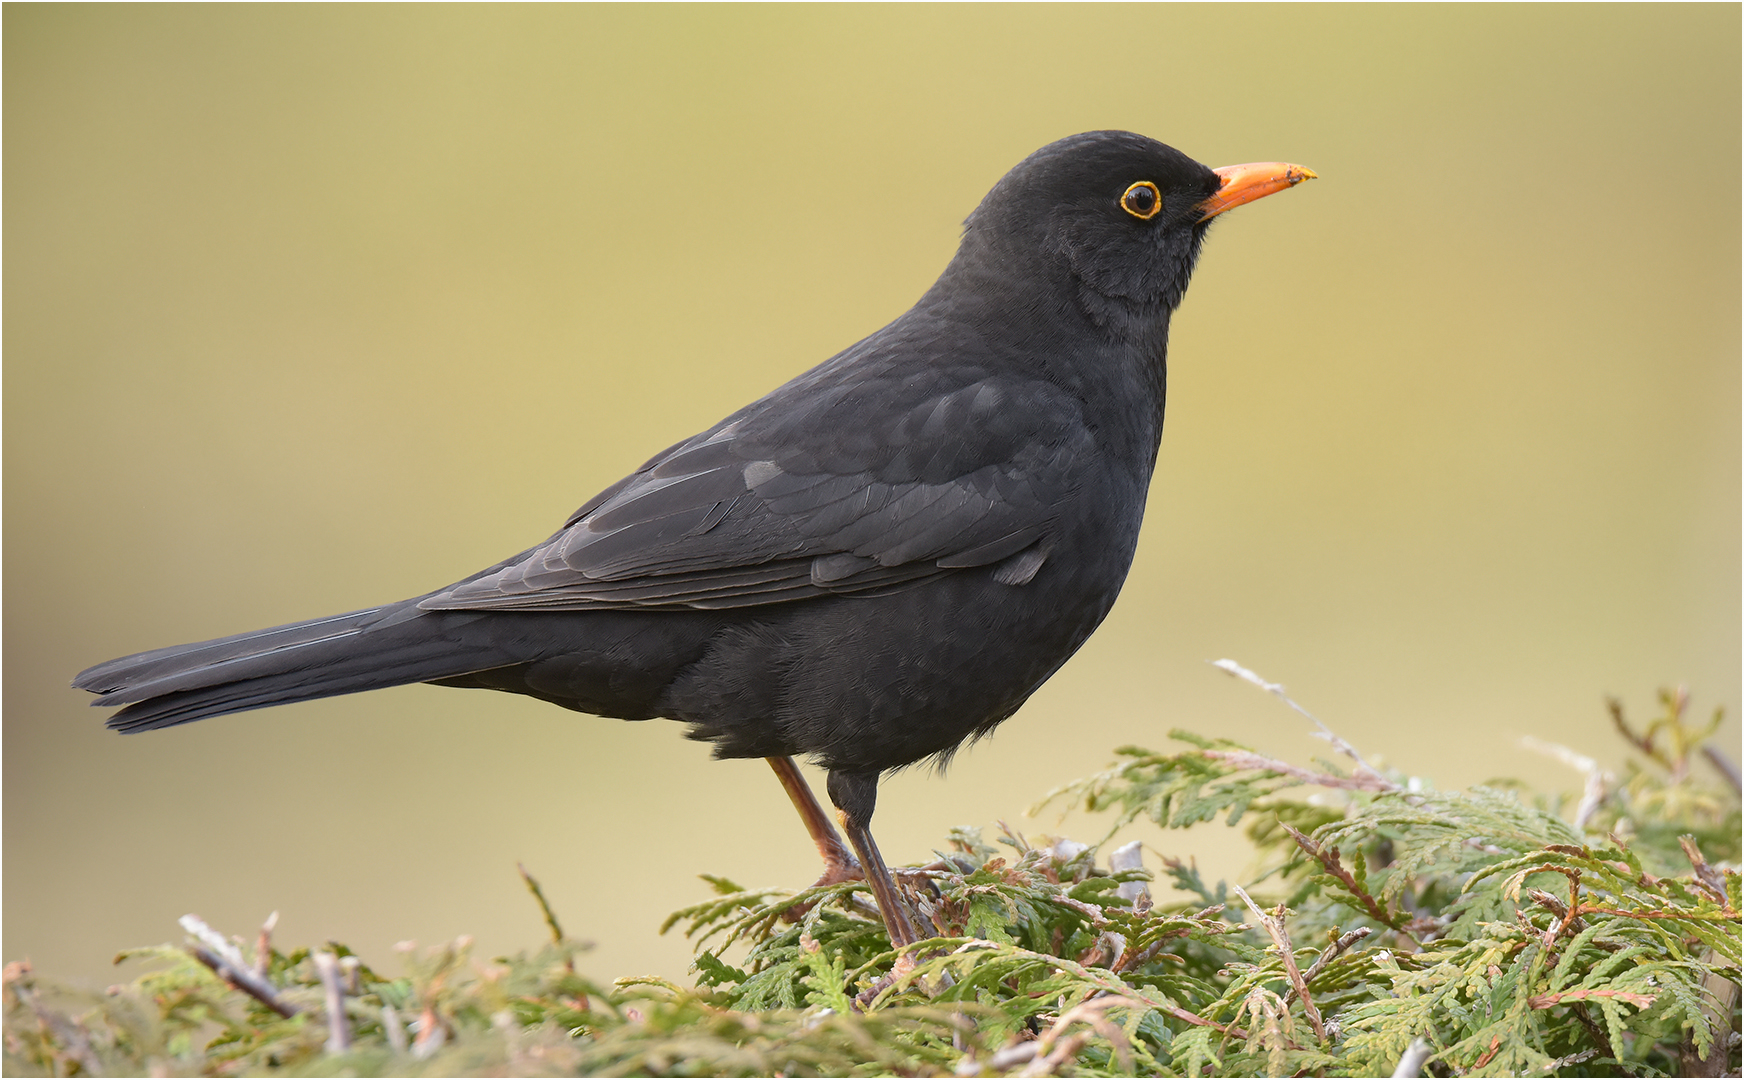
(1415,1057)
(338,1028)
(1277,690)
(1274,926)
(225,959)
(394,1027)
(1598,783)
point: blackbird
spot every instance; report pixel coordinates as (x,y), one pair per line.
(875,562)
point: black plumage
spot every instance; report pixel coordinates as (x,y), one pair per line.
(870,565)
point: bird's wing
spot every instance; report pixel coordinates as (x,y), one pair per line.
(866,486)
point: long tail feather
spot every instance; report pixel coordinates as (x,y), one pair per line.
(340,654)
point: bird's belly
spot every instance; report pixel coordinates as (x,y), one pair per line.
(877,682)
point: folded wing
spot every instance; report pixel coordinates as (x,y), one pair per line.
(767,507)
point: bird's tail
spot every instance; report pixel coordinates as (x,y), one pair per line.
(341,654)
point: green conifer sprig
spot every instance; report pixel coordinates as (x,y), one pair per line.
(1485,932)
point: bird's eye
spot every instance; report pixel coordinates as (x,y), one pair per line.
(1142,200)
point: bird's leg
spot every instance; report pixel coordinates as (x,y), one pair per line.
(855,796)
(839,862)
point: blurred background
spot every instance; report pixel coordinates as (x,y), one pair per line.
(310,308)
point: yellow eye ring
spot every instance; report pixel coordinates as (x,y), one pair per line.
(1142,200)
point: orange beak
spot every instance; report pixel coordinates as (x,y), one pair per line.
(1245,183)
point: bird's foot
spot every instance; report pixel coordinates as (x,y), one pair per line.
(835,873)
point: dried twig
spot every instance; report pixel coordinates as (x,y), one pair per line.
(226,961)
(338,1027)
(394,1028)
(1331,953)
(1277,690)
(263,946)
(1415,1057)
(1643,743)
(1329,858)
(1274,924)
(1598,781)
(1559,910)
(1049,1052)
(1247,759)
(1710,880)
(73,1037)
(1728,768)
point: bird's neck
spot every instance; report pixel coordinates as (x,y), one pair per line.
(1109,353)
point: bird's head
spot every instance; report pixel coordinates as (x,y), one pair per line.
(1121,214)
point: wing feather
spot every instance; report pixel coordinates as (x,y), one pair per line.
(769,507)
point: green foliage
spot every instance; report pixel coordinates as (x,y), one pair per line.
(1500,935)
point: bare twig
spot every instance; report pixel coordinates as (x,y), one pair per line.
(263,946)
(1595,1031)
(1277,690)
(1598,781)
(19,980)
(1052,1051)
(1721,992)
(338,1028)
(1643,743)
(1565,1062)
(1558,909)
(1415,1057)
(1710,880)
(1728,768)
(394,1028)
(225,960)
(1274,924)
(1329,858)
(1331,953)
(243,980)
(1003,1060)
(1247,759)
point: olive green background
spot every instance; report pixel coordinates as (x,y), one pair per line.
(310,308)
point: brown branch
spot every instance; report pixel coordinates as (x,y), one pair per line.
(1727,767)
(1594,1031)
(1332,951)
(1708,879)
(1643,743)
(1230,667)
(1093,1013)
(243,980)
(1330,859)
(1274,924)
(1495,1045)
(227,963)
(1199,1021)
(1247,759)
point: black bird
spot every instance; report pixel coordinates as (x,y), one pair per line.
(872,564)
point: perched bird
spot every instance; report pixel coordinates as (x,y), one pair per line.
(870,565)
